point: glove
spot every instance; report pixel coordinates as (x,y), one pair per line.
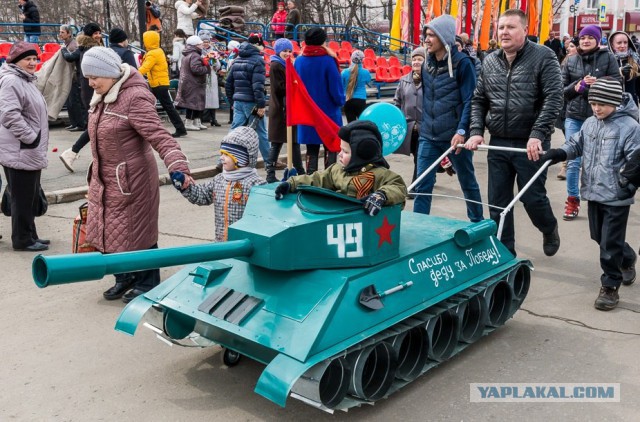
(554,155)
(282,189)
(447,166)
(374,202)
(177,177)
(625,71)
(582,87)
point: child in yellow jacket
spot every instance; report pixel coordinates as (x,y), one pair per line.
(155,68)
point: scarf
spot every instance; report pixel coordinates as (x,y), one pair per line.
(417,78)
(276,58)
(317,51)
(239,174)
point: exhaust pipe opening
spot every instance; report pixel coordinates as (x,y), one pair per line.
(40,272)
(334,383)
(443,331)
(412,348)
(473,319)
(176,325)
(499,304)
(520,280)
(374,369)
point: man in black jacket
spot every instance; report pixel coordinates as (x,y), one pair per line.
(518,97)
(30,15)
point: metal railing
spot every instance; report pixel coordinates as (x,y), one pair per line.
(14,31)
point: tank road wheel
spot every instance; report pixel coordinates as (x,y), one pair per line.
(231,358)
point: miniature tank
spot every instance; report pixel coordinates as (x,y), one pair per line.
(341,307)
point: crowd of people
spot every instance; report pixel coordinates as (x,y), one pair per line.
(452,96)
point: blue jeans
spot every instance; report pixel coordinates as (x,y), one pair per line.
(31,38)
(571,127)
(428,152)
(241,113)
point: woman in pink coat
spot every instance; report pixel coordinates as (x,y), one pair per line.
(279,20)
(124,197)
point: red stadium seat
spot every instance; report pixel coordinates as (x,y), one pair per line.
(393,61)
(370,53)
(406,69)
(347,46)
(369,64)
(4,49)
(344,57)
(382,74)
(46,56)
(334,45)
(382,62)
(51,47)
(395,73)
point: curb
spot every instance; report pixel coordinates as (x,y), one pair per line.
(75,194)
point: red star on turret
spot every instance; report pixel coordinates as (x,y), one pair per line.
(384,232)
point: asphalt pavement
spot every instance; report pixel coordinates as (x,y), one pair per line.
(62,360)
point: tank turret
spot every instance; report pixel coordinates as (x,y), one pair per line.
(341,307)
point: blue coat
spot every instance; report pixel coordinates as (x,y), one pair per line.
(446,100)
(245,79)
(321,76)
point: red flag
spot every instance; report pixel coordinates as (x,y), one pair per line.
(302,110)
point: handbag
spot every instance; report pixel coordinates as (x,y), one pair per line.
(39,209)
(79,242)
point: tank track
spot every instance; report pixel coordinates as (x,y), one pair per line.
(384,363)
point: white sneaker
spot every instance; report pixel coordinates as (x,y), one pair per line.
(198,123)
(189,125)
(67,158)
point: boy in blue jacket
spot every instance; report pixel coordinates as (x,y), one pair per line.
(606,142)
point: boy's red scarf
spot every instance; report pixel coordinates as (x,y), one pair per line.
(317,51)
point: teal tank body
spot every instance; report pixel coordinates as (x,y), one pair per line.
(341,307)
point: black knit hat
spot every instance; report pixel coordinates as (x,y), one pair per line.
(20,50)
(366,144)
(255,39)
(91,28)
(606,90)
(117,35)
(315,36)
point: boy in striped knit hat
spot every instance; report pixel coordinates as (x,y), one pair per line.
(606,141)
(229,190)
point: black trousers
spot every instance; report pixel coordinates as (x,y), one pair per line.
(78,115)
(25,187)
(507,168)
(162,94)
(414,151)
(144,280)
(313,152)
(193,114)
(353,108)
(81,142)
(608,227)
(274,152)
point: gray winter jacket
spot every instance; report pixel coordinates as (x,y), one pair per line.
(24,127)
(605,147)
(409,99)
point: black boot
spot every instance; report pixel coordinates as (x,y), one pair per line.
(214,122)
(123,284)
(312,163)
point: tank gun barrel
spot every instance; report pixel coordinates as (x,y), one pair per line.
(63,269)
